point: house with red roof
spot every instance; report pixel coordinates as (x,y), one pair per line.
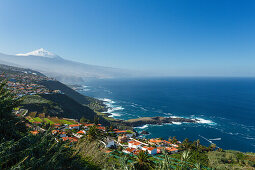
(129,150)
(101,128)
(81,132)
(171,149)
(35,132)
(150,150)
(74,126)
(134,144)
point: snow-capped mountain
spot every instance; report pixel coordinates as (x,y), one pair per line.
(64,70)
(41,53)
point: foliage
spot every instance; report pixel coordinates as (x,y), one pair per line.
(143,161)
(21,150)
(231,160)
(11,127)
(40,151)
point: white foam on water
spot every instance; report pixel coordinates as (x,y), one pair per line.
(115,115)
(204,121)
(107,100)
(168,114)
(111,107)
(142,127)
(175,117)
(177,123)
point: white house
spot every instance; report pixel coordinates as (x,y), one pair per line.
(110,143)
(150,150)
(134,144)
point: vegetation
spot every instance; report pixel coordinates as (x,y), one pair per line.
(59,105)
(21,150)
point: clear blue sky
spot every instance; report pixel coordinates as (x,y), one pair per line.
(177,37)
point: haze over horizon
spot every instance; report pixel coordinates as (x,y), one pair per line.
(175,38)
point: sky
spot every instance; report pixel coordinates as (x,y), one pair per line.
(173,37)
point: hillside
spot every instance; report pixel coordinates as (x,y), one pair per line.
(59,105)
(93,103)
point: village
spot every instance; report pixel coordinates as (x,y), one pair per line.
(129,141)
(23,83)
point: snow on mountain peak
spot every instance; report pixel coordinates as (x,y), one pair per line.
(41,53)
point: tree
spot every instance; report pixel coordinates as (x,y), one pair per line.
(11,127)
(198,143)
(174,140)
(213,146)
(83,120)
(96,119)
(143,161)
(93,133)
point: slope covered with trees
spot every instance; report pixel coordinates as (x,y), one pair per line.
(21,150)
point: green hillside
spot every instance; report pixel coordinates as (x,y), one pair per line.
(93,103)
(59,105)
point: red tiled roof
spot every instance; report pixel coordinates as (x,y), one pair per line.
(101,128)
(88,124)
(171,149)
(75,125)
(136,143)
(145,147)
(130,149)
(35,132)
(155,140)
(73,139)
(151,148)
(81,132)
(108,151)
(65,138)
(120,131)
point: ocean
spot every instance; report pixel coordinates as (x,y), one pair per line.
(224,106)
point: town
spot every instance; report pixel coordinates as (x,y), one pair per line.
(24,82)
(128,140)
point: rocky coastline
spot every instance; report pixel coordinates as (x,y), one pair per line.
(157,121)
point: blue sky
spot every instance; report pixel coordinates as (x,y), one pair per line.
(174,37)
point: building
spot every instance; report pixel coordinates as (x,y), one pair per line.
(62,134)
(171,149)
(81,132)
(35,132)
(150,150)
(75,126)
(134,144)
(122,139)
(110,143)
(129,150)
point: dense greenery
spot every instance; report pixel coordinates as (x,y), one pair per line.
(93,103)
(10,126)
(21,150)
(59,105)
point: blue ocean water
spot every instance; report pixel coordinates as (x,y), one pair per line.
(224,106)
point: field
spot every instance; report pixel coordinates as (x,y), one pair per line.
(51,120)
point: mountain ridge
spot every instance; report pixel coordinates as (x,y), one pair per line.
(63,70)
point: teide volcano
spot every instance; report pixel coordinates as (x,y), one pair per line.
(64,70)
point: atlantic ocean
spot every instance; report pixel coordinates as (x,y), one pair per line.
(224,106)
